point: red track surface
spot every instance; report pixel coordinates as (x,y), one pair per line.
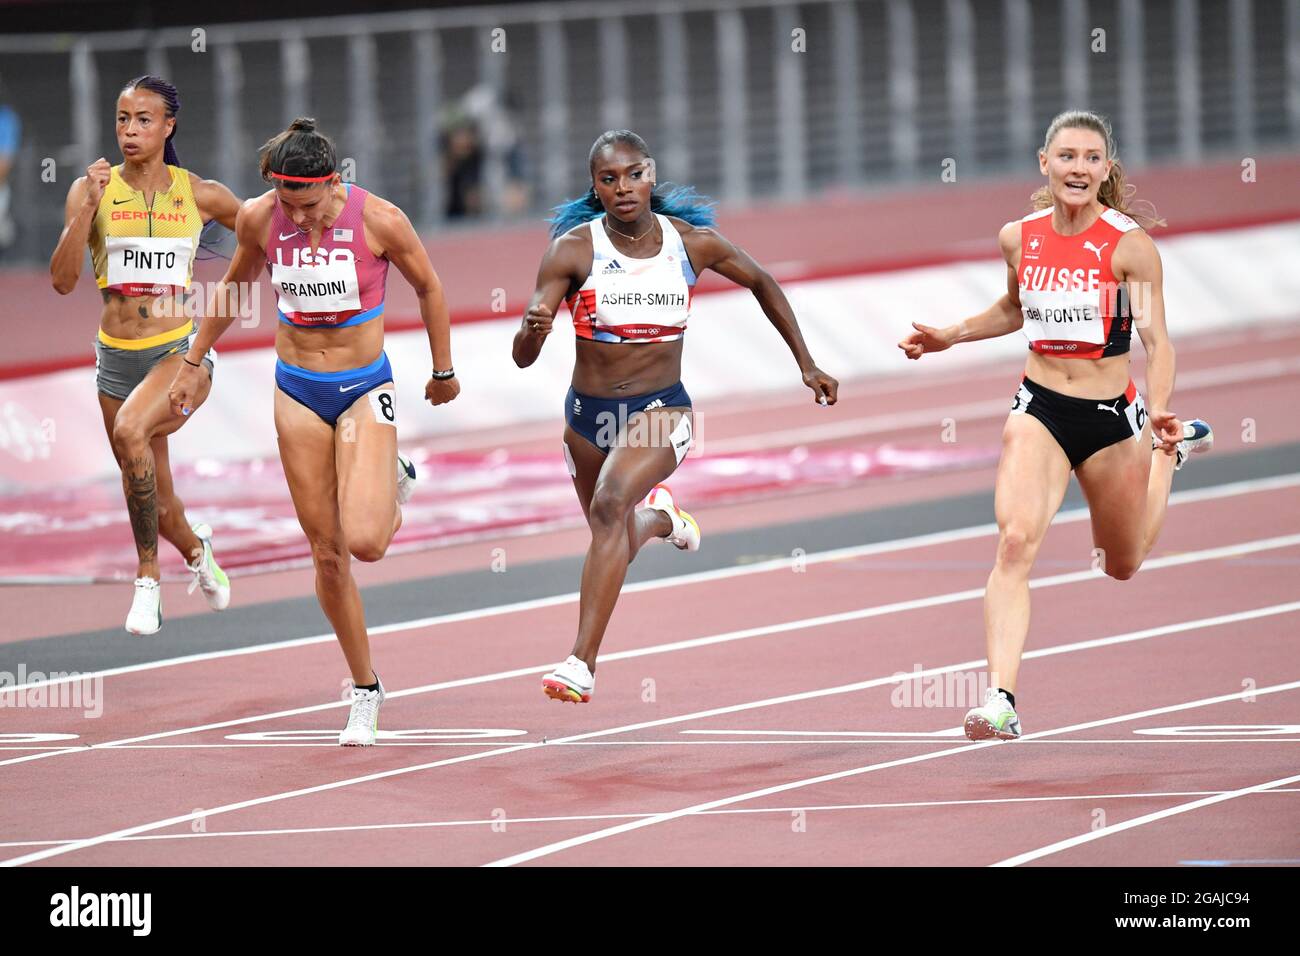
(734,714)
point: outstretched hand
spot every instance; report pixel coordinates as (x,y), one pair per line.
(924,339)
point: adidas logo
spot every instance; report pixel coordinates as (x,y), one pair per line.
(612,268)
(657,403)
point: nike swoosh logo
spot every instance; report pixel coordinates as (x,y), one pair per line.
(351,387)
(118,202)
(290,236)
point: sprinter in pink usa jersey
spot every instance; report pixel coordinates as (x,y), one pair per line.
(327,246)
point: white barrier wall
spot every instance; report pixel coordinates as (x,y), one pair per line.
(51,429)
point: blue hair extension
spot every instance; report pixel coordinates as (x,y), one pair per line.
(574,212)
(682,202)
(667,199)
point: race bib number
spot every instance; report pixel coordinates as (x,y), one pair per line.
(148,265)
(383,402)
(1137,415)
(1020,404)
(681,438)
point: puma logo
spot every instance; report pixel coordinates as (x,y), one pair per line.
(1113,408)
(1095,249)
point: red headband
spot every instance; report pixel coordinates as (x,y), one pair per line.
(303,179)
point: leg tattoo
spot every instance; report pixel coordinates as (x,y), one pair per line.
(142,505)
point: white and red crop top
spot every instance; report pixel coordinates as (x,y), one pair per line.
(634,300)
(1072,304)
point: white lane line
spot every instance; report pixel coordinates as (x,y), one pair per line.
(1069,516)
(560,845)
(252,802)
(1143,821)
(666,721)
(1173,560)
(588,817)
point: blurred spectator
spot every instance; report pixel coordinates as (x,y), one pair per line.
(462,161)
(10,134)
(483,165)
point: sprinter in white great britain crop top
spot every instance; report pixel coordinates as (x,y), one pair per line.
(625,256)
(634,300)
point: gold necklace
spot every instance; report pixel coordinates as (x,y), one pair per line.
(615,232)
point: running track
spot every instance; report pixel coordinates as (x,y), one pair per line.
(750,707)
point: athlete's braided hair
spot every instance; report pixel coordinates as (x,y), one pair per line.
(1116,192)
(171,105)
(298,151)
(213,233)
(667,199)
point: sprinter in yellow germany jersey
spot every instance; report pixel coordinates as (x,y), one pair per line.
(142,221)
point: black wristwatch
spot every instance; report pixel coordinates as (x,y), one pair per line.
(443,376)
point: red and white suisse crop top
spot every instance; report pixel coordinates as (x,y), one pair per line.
(634,300)
(1072,304)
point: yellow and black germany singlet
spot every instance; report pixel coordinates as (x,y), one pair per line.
(142,250)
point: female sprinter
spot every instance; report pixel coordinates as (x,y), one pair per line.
(142,221)
(327,246)
(625,258)
(1081,273)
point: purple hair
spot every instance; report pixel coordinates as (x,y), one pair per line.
(171,102)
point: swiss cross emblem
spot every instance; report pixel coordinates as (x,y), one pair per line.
(1033,245)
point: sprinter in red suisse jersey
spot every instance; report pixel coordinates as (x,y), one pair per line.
(1082,275)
